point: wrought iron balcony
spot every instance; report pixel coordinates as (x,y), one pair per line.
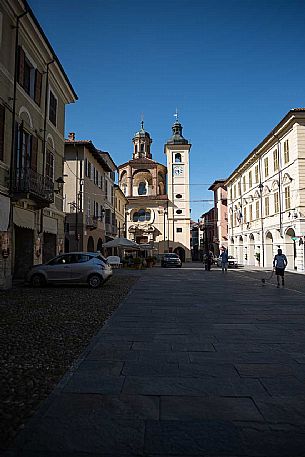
(27,183)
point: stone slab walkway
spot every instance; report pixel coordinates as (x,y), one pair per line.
(193,363)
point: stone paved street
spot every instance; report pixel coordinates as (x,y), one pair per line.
(193,363)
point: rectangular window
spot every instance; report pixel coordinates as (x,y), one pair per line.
(108,216)
(50,165)
(29,77)
(52,108)
(234,192)
(250,213)
(275,160)
(89,208)
(266,167)
(101,182)
(266,206)
(286,151)
(239,189)
(244,184)
(179,229)
(287,198)
(276,203)
(257,210)
(250,179)
(245,214)
(256,174)
(106,190)
(2,125)
(101,212)
(89,170)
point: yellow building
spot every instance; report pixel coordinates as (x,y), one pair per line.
(34,90)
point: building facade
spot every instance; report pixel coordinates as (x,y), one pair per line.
(88,196)
(220,216)
(120,202)
(34,90)
(158,212)
(266,198)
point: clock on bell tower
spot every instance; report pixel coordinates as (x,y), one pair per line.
(177,150)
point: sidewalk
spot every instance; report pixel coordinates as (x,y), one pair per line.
(193,363)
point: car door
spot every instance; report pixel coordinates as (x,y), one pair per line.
(59,269)
(80,268)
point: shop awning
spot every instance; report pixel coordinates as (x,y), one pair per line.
(49,225)
(24,218)
(4,213)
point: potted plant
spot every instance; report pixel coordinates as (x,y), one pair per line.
(137,263)
(258,256)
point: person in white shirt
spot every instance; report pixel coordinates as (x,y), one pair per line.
(279,264)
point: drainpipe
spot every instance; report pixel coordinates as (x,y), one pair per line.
(44,141)
(261,209)
(12,158)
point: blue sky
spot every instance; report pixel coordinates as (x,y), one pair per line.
(232,68)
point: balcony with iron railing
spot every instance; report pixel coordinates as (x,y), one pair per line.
(27,183)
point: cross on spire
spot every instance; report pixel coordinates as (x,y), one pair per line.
(142,121)
(176,115)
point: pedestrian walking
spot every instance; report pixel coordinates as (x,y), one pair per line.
(209,260)
(224,260)
(279,264)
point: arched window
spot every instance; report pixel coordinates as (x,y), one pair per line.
(178,157)
(142,215)
(142,189)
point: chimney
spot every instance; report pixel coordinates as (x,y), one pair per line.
(71,136)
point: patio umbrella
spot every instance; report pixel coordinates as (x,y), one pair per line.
(121,242)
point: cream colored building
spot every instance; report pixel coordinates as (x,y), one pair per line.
(266,198)
(119,206)
(34,90)
(158,209)
(88,196)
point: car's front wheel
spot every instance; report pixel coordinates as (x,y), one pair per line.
(94,281)
(38,280)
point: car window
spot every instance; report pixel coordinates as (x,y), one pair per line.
(82,258)
(61,260)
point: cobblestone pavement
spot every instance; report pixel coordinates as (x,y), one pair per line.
(193,363)
(42,332)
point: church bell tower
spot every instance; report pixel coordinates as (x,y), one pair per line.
(141,144)
(177,150)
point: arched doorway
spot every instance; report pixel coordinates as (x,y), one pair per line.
(290,249)
(268,250)
(90,244)
(240,257)
(99,245)
(181,253)
(251,256)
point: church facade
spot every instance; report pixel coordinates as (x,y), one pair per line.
(158,209)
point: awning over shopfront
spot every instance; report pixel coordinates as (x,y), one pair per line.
(24,218)
(49,225)
(4,213)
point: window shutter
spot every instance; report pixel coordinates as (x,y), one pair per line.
(34,149)
(38,81)
(21,58)
(2,120)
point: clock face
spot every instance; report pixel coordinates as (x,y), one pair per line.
(178,171)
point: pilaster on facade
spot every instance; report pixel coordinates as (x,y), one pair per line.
(266,198)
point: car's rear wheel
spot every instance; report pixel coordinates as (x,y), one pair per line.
(38,280)
(94,281)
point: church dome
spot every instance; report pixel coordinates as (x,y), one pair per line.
(177,137)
